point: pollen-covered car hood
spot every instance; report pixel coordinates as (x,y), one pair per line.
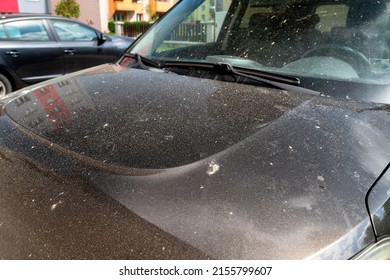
(234,170)
(144,119)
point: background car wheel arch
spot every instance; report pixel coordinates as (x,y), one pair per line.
(5,85)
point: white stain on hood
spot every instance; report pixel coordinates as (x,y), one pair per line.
(213,168)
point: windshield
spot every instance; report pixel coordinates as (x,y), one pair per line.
(338,47)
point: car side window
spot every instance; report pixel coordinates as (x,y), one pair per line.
(26,30)
(331,16)
(72,31)
(202,26)
(2,33)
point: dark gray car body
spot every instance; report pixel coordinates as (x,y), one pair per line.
(124,163)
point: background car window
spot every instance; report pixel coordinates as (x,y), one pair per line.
(71,31)
(26,30)
(331,16)
(2,33)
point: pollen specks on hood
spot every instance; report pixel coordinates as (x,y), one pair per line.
(304,202)
(321,178)
(54,206)
(213,168)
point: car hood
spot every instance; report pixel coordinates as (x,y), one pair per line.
(234,170)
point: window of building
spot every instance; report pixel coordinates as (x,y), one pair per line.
(219,5)
(118,17)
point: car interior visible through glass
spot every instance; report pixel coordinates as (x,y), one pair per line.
(331,46)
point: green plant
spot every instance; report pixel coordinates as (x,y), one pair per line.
(111,26)
(68,8)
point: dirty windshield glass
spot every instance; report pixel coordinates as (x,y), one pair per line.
(331,45)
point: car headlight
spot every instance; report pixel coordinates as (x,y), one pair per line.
(377,251)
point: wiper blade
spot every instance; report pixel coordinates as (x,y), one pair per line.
(281,82)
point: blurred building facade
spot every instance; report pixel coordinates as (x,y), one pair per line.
(96,13)
(25,6)
(138,10)
(92,12)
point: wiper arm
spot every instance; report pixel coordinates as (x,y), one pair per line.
(275,80)
(145,63)
(280,82)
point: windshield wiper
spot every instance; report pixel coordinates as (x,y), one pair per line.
(145,63)
(281,84)
(275,80)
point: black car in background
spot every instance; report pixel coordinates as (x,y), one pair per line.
(35,48)
(257,131)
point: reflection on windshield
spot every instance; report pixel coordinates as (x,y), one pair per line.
(341,40)
(52,107)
